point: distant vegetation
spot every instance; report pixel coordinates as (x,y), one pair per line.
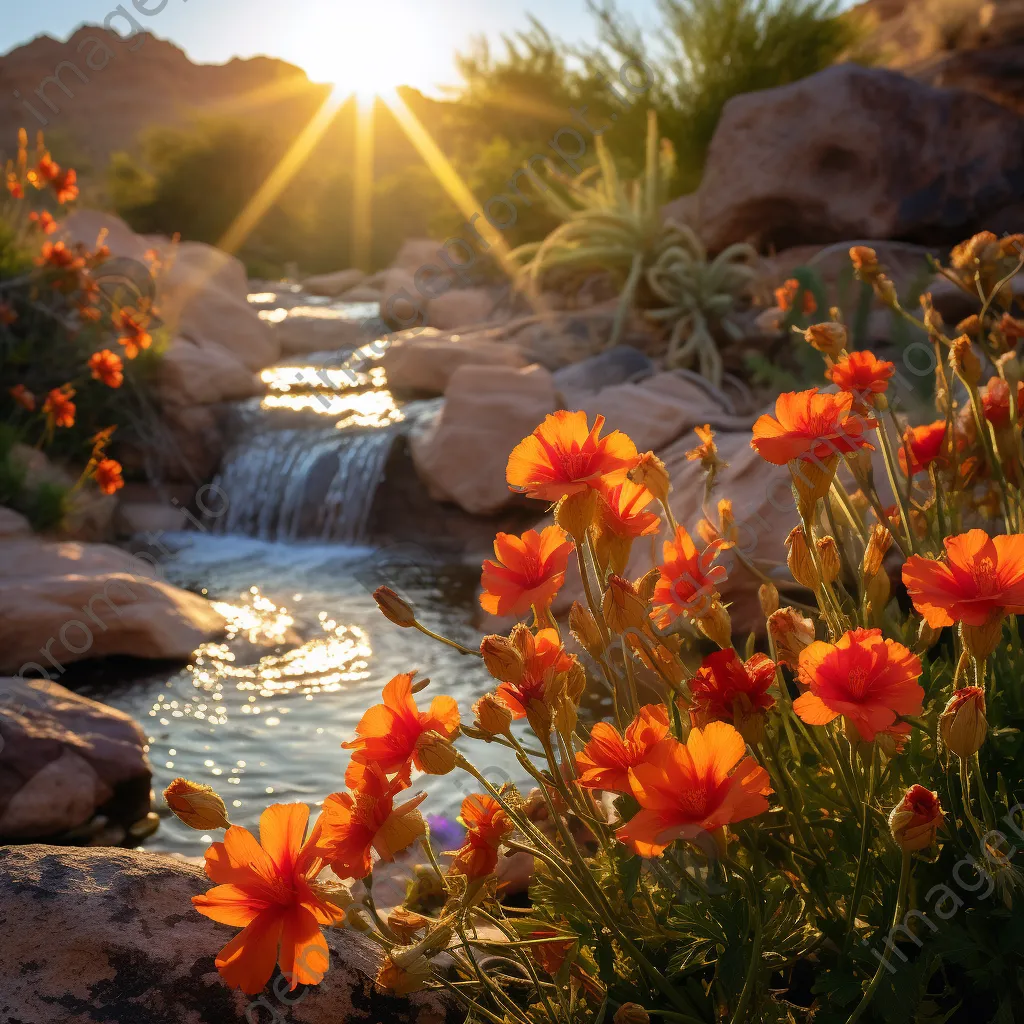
(509,107)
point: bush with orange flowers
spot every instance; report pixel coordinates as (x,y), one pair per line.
(76,351)
(817,822)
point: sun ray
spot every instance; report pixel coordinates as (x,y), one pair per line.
(362,184)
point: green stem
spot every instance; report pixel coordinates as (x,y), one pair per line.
(865,840)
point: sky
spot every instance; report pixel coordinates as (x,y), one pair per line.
(371,44)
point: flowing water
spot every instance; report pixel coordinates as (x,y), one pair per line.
(261,714)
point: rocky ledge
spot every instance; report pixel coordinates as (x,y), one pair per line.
(110,936)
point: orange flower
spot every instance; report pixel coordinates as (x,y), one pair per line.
(107,367)
(44,172)
(58,256)
(687,789)
(725,689)
(980,578)
(43,221)
(927,444)
(23,397)
(605,761)
(689,582)
(621,509)
(65,186)
(916,819)
(486,826)
(995,401)
(529,571)
(563,456)
(387,733)
(865,678)
(132,333)
(863,375)
(108,475)
(544,659)
(59,407)
(14,186)
(812,427)
(787,294)
(366,819)
(268,888)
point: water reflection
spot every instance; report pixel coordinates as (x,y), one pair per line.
(285,378)
(366,409)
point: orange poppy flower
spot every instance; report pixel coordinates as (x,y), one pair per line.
(544,659)
(268,888)
(689,582)
(810,426)
(14,186)
(727,689)
(529,571)
(486,826)
(43,221)
(107,474)
(605,761)
(621,509)
(387,733)
(58,256)
(106,366)
(980,577)
(23,397)
(927,444)
(132,333)
(366,819)
(59,407)
(787,293)
(564,456)
(687,789)
(45,171)
(65,186)
(863,375)
(865,678)
(995,401)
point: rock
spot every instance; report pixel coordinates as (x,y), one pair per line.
(65,758)
(488,410)
(995,72)
(309,329)
(333,285)
(134,517)
(682,210)
(614,366)
(197,441)
(123,944)
(416,253)
(460,308)
(424,361)
(13,524)
(62,602)
(193,374)
(855,152)
(402,304)
(362,293)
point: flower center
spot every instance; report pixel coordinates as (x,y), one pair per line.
(858,681)
(694,801)
(983,572)
(575,464)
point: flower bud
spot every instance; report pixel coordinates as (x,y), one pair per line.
(584,628)
(829,338)
(716,625)
(962,724)
(650,472)
(865,262)
(502,658)
(828,555)
(631,1013)
(1010,369)
(768,595)
(403,980)
(621,607)
(874,553)
(916,819)
(197,805)
(982,640)
(646,584)
(927,637)
(493,715)
(434,754)
(964,360)
(575,513)
(877,590)
(394,608)
(885,290)
(799,560)
(405,924)
(970,325)
(791,632)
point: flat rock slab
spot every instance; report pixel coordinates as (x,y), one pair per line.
(110,937)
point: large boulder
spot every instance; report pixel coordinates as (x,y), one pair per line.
(618,365)
(65,758)
(487,411)
(62,602)
(855,152)
(460,308)
(112,936)
(193,374)
(423,361)
(333,285)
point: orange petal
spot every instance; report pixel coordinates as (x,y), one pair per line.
(282,828)
(813,710)
(247,961)
(229,904)
(304,955)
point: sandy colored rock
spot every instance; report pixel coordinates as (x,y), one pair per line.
(123,944)
(309,329)
(193,374)
(13,524)
(488,410)
(333,285)
(855,152)
(460,308)
(63,758)
(80,601)
(424,361)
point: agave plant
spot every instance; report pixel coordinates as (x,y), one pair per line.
(609,223)
(698,297)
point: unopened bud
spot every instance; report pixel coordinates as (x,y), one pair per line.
(915,821)
(799,560)
(502,658)
(434,754)
(575,513)
(885,290)
(964,360)
(828,555)
(646,584)
(403,980)
(791,632)
(197,805)
(768,595)
(394,608)
(716,625)
(584,628)
(982,640)
(927,637)
(865,262)
(405,924)
(631,1013)
(830,338)
(877,590)
(874,553)
(650,472)
(970,325)
(493,715)
(621,607)
(1009,368)
(962,724)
